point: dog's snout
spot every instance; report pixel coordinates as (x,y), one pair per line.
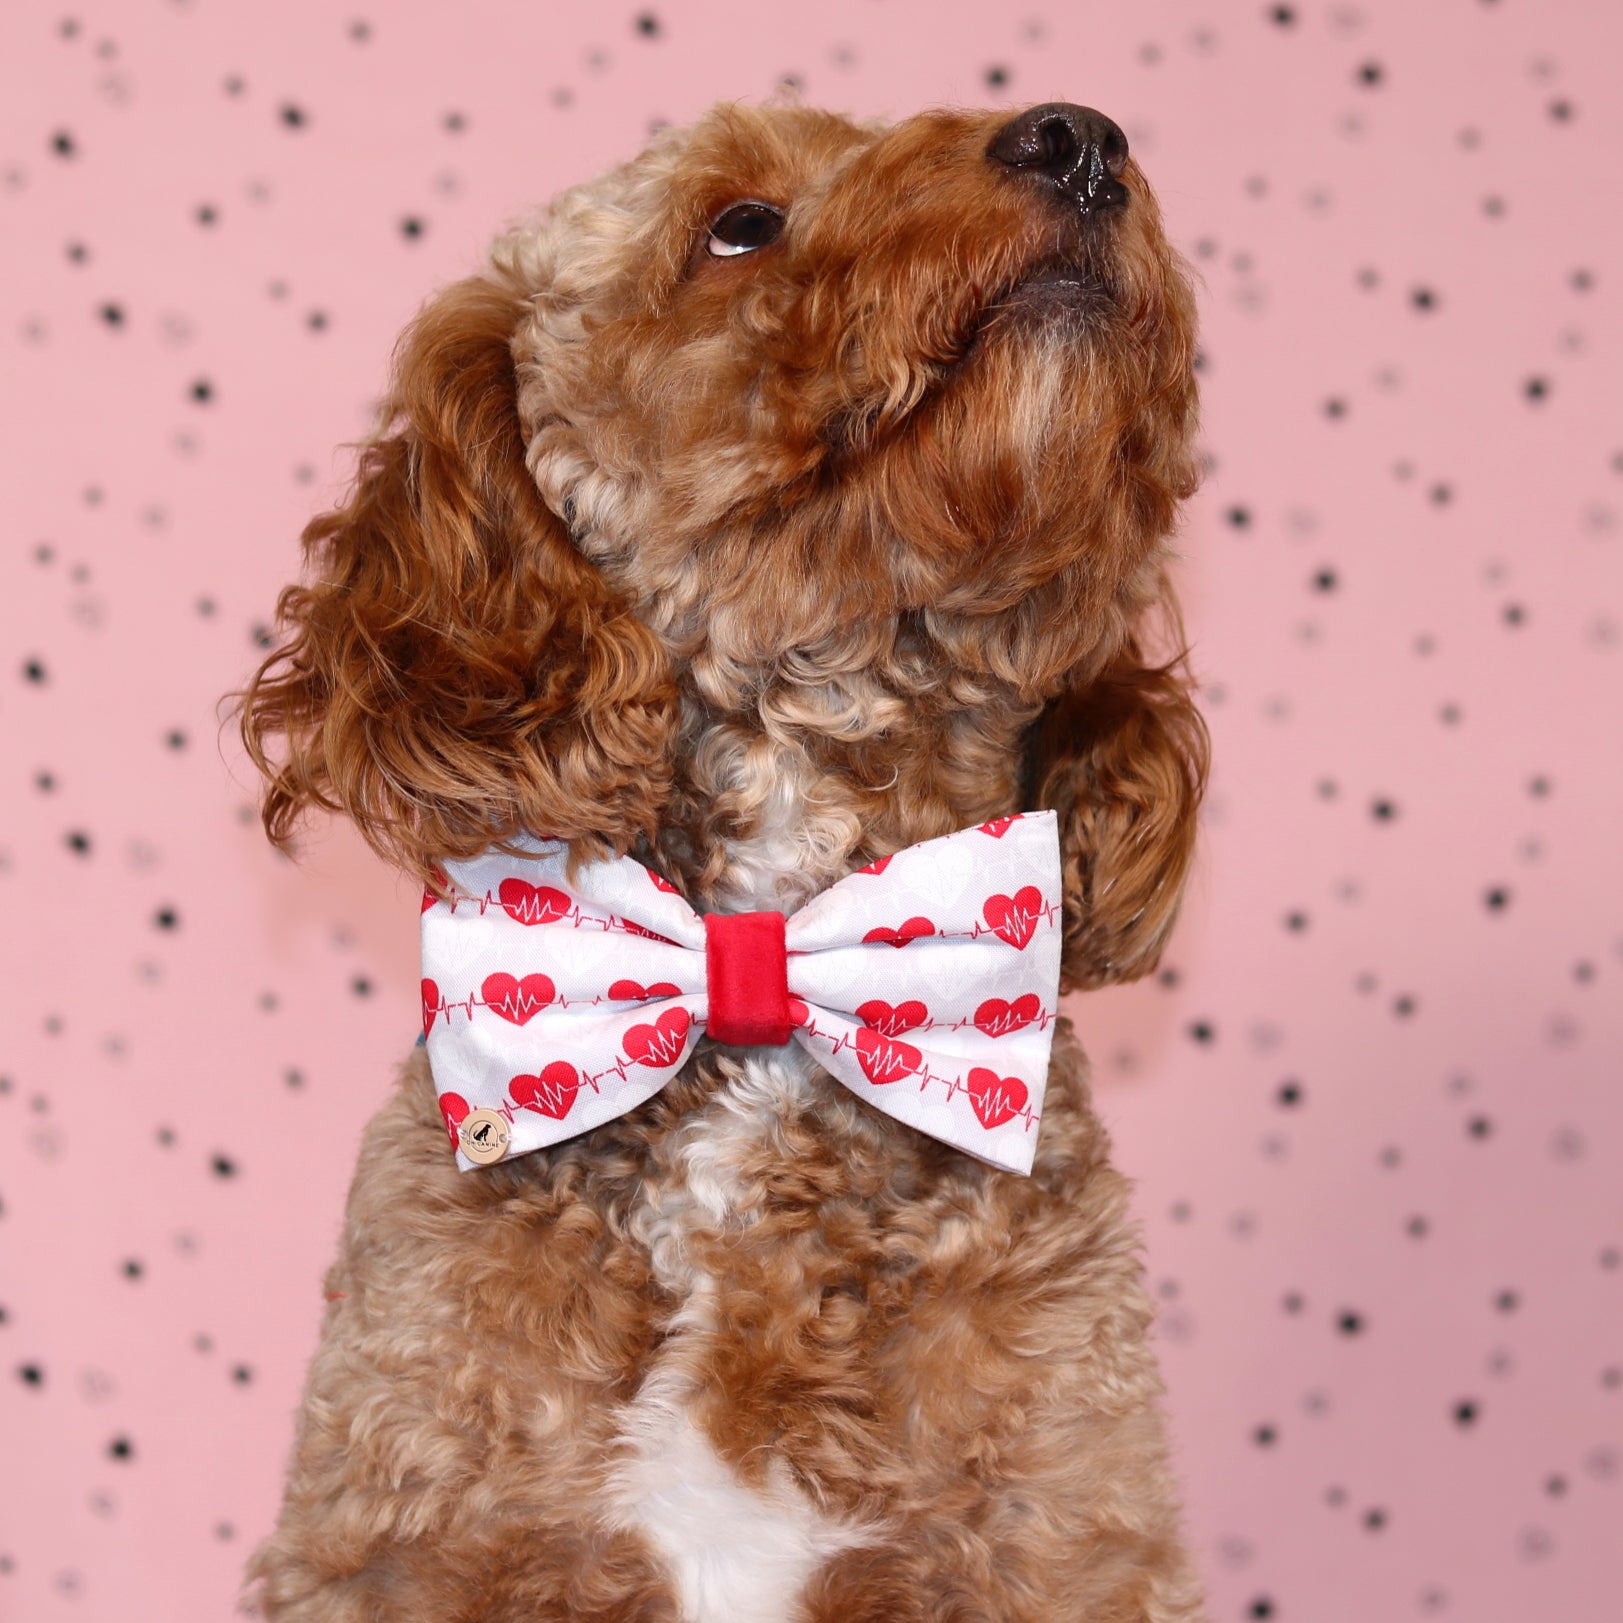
(1077,148)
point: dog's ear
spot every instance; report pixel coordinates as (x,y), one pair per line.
(1123,759)
(455,673)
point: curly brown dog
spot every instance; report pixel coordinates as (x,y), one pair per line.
(796,492)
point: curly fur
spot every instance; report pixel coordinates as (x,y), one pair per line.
(761,567)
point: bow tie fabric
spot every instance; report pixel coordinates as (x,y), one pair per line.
(926,983)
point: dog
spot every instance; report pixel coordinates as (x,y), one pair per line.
(797,492)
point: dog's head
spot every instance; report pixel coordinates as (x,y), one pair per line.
(799,472)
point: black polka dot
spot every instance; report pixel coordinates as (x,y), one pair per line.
(1370,73)
(1335,407)
(242,1374)
(411,228)
(361,986)
(202,391)
(1375,1520)
(34,671)
(63,144)
(1555,1486)
(1283,16)
(121,1448)
(77,841)
(1513,614)
(648,25)
(1536,389)
(1264,1436)
(1417,1228)
(1496,899)
(1479,1127)
(1383,810)
(112,314)
(1561,110)
(996,77)
(175,739)
(224,1166)
(293,116)
(1325,581)
(455,122)
(1423,298)
(1349,1322)
(31,1374)
(133,1268)
(1202,1031)
(1296,921)
(1466,1412)
(1239,517)
(166,918)
(1289,1094)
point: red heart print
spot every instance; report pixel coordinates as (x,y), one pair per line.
(999,826)
(431,1005)
(532,904)
(883,1059)
(1015,917)
(636,992)
(517,1000)
(659,1045)
(453,1107)
(997,1018)
(550,1094)
(994,1098)
(911,930)
(442,879)
(662,883)
(878,865)
(892,1022)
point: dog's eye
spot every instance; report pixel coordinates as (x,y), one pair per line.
(743,228)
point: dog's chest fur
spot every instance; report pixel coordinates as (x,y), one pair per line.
(737,1552)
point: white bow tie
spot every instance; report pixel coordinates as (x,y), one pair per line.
(925,982)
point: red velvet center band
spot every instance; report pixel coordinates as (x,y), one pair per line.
(748,969)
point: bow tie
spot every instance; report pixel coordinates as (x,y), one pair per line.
(926,983)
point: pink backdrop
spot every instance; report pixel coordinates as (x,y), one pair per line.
(1370,1103)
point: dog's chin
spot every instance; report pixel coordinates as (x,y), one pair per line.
(1061,293)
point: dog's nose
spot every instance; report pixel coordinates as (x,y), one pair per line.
(1080,150)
